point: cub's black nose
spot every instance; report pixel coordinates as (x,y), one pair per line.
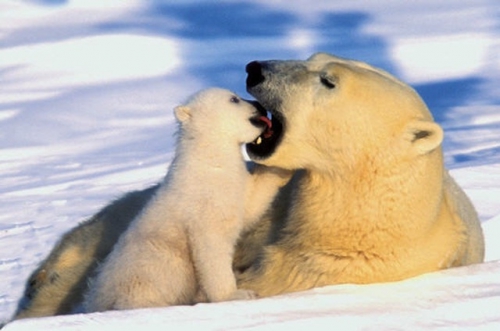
(255,77)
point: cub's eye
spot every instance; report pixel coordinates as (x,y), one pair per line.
(328,82)
(235,99)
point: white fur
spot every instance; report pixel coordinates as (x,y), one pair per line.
(180,248)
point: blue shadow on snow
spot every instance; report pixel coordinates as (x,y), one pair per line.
(442,96)
(225,36)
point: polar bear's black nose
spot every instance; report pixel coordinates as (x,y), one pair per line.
(255,77)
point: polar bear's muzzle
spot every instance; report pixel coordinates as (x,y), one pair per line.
(265,145)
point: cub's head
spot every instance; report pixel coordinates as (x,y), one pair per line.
(329,111)
(221,115)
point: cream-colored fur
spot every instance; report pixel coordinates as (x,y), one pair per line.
(373,202)
(180,248)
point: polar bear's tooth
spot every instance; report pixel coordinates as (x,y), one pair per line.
(258,141)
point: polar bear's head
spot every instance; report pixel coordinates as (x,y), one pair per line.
(218,115)
(328,110)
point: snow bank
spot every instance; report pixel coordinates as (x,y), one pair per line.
(457,299)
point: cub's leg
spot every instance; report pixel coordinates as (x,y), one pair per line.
(212,254)
(151,271)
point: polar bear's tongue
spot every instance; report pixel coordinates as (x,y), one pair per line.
(267,132)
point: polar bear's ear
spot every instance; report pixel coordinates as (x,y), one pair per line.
(322,57)
(182,113)
(424,136)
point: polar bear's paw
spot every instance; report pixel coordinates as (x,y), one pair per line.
(243,295)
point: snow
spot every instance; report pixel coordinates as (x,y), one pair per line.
(86,97)
(422,303)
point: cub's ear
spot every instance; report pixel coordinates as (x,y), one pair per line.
(182,113)
(424,136)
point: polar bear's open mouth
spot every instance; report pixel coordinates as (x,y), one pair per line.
(266,143)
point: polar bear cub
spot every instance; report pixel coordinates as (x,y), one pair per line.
(179,250)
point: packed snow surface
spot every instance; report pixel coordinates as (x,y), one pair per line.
(86,97)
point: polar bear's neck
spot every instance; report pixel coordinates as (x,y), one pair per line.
(210,178)
(212,153)
(204,165)
(407,201)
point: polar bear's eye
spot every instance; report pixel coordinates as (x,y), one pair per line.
(234,99)
(328,82)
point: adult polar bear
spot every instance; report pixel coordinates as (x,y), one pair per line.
(371,202)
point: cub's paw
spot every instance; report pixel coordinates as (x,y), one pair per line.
(243,295)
